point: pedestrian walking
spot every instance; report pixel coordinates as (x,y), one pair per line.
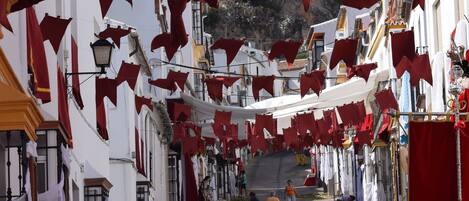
(290,191)
(272,197)
(242,183)
(252,197)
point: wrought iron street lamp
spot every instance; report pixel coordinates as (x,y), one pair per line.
(102,52)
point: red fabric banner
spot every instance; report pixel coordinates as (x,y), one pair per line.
(140,101)
(386,100)
(76,78)
(3,15)
(403,44)
(101,121)
(362,71)
(420,3)
(421,69)
(314,81)
(306,4)
(37,63)
(128,72)
(190,184)
(289,49)
(290,136)
(305,123)
(21,4)
(53,29)
(231,47)
(359,4)
(344,50)
(64,116)
(115,34)
(222,118)
(171,80)
(138,164)
(432,157)
(262,82)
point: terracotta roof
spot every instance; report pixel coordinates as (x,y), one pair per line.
(297,65)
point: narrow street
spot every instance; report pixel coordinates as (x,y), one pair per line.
(271,172)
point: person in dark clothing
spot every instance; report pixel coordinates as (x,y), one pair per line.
(252,197)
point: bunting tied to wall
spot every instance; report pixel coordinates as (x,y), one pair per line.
(288,48)
(174,78)
(362,71)
(36,55)
(115,34)
(359,4)
(262,82)
(386,100)
(53,29)
(313,80)
(344,50)
(420,3)
(4,8)
(231,47)
(179,36)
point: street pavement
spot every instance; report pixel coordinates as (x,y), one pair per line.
(271,172)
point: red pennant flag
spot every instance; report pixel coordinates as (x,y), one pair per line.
(362,71)
(128,72)
(404,65)
(37,63)
(367,124)
(364,137)
(289,49)
(262,82)
(420,3)
(264,121)
(179,78)
(53,29)
(115,34)
(346,113)
(359,4)
(164,40)
(306,4)
(314,81)
(182,112)
(386,100)
(222,118)
(290,136)
(106,87)
(421,69)
(105,5)
(164,84)
(344,50)
(402,45)
(140,101)
(323,129)
(360,113)
(305,123)
(231,47)
(179,36)
(234,130)
(215,88)
(228,81)
(64,116)
(179,131)
(101,121)
(76,78)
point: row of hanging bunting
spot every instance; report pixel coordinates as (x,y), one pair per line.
(305,130)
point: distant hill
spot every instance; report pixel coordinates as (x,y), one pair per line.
(266,21)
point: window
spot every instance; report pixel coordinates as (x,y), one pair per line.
(318,50)
(199,86)
(96,193)
(173,177)
(197,29)
(143,191)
